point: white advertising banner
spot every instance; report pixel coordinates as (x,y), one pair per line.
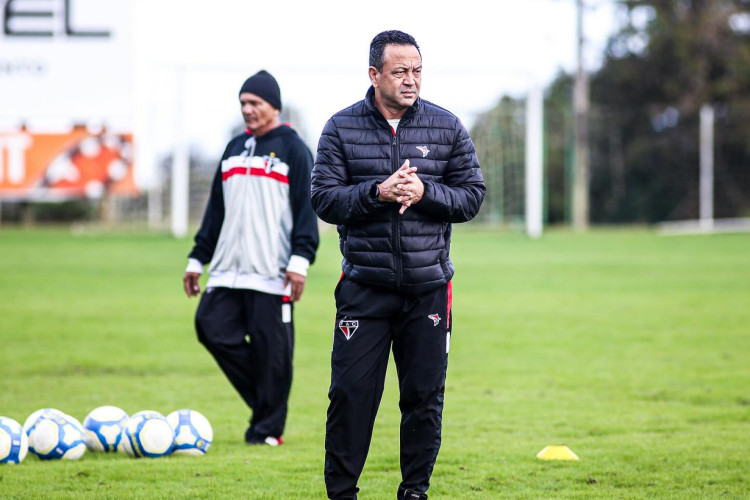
(66,60)
(65,73)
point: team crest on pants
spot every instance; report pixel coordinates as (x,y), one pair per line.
(435,319)
(348,327)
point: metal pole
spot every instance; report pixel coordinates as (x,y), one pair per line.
(534,161)
(707,168)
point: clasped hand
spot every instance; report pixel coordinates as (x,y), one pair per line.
(403,187)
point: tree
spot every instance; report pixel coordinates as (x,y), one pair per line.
(670,58)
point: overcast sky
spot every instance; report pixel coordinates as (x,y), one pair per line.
(474,51)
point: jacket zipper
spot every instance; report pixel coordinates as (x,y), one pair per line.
(241,230)
(396,218)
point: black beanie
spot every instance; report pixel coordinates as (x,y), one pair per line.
(264,86)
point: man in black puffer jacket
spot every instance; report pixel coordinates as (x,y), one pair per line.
(392,172)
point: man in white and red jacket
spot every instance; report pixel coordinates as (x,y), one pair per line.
(259,235)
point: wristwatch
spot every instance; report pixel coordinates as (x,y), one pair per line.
(375,191)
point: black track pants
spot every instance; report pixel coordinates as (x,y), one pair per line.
(369,322)
(251,336)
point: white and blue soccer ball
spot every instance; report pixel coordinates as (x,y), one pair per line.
(192,432)
(148,434)
(103,428)
(54,435)
(31,419)
(14,443)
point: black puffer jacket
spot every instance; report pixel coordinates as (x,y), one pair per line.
(406,253)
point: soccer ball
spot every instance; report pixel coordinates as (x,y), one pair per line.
(103,428)
(53,434)
(148,434)
(13,442)
(35,416)
(192,432)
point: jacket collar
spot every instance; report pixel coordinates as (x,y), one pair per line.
(282,129)
(370,105)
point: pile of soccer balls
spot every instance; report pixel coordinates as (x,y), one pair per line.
(51,434)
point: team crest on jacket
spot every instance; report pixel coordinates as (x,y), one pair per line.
(273,164)
(348,327)
(435,319)
(424,150)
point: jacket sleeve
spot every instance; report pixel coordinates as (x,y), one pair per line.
(460,194)
(305,236)
(213,218)
(334,198)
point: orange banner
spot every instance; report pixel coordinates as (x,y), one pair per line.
(78,164)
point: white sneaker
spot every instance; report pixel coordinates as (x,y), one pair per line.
(272,441)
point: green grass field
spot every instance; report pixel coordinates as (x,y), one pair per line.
(630,348)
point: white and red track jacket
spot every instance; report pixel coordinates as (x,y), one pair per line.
(259,220)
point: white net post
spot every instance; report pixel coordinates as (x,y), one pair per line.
(707,168)
(534,162)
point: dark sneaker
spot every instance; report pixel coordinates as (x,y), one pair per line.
(412,495)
